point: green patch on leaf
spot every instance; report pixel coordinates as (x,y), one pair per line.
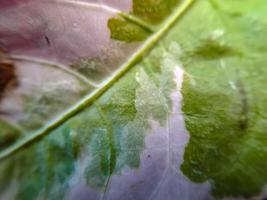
(224,101)
(212,48)
(125,31)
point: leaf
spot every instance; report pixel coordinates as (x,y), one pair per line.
(99,114)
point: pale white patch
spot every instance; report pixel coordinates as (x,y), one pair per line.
(11,192)
(218,33)
(158,176)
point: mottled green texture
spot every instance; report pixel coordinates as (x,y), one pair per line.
(99,67)
(144,15)
(45,102)
(105,139)
(224,95)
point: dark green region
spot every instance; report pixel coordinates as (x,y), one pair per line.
(212,48)
(149,12)
(224,96)
(8,135)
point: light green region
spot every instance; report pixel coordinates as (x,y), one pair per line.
(224,96)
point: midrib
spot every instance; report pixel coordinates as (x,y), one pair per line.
(90,98)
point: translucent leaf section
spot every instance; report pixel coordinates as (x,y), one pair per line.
(85,157)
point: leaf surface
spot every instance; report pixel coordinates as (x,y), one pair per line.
(127,100)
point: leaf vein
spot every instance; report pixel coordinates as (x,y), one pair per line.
(89,99)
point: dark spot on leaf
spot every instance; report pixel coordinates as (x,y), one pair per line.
(7,73)
(47,41)
(149,156)
(236,14)
(213,49)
